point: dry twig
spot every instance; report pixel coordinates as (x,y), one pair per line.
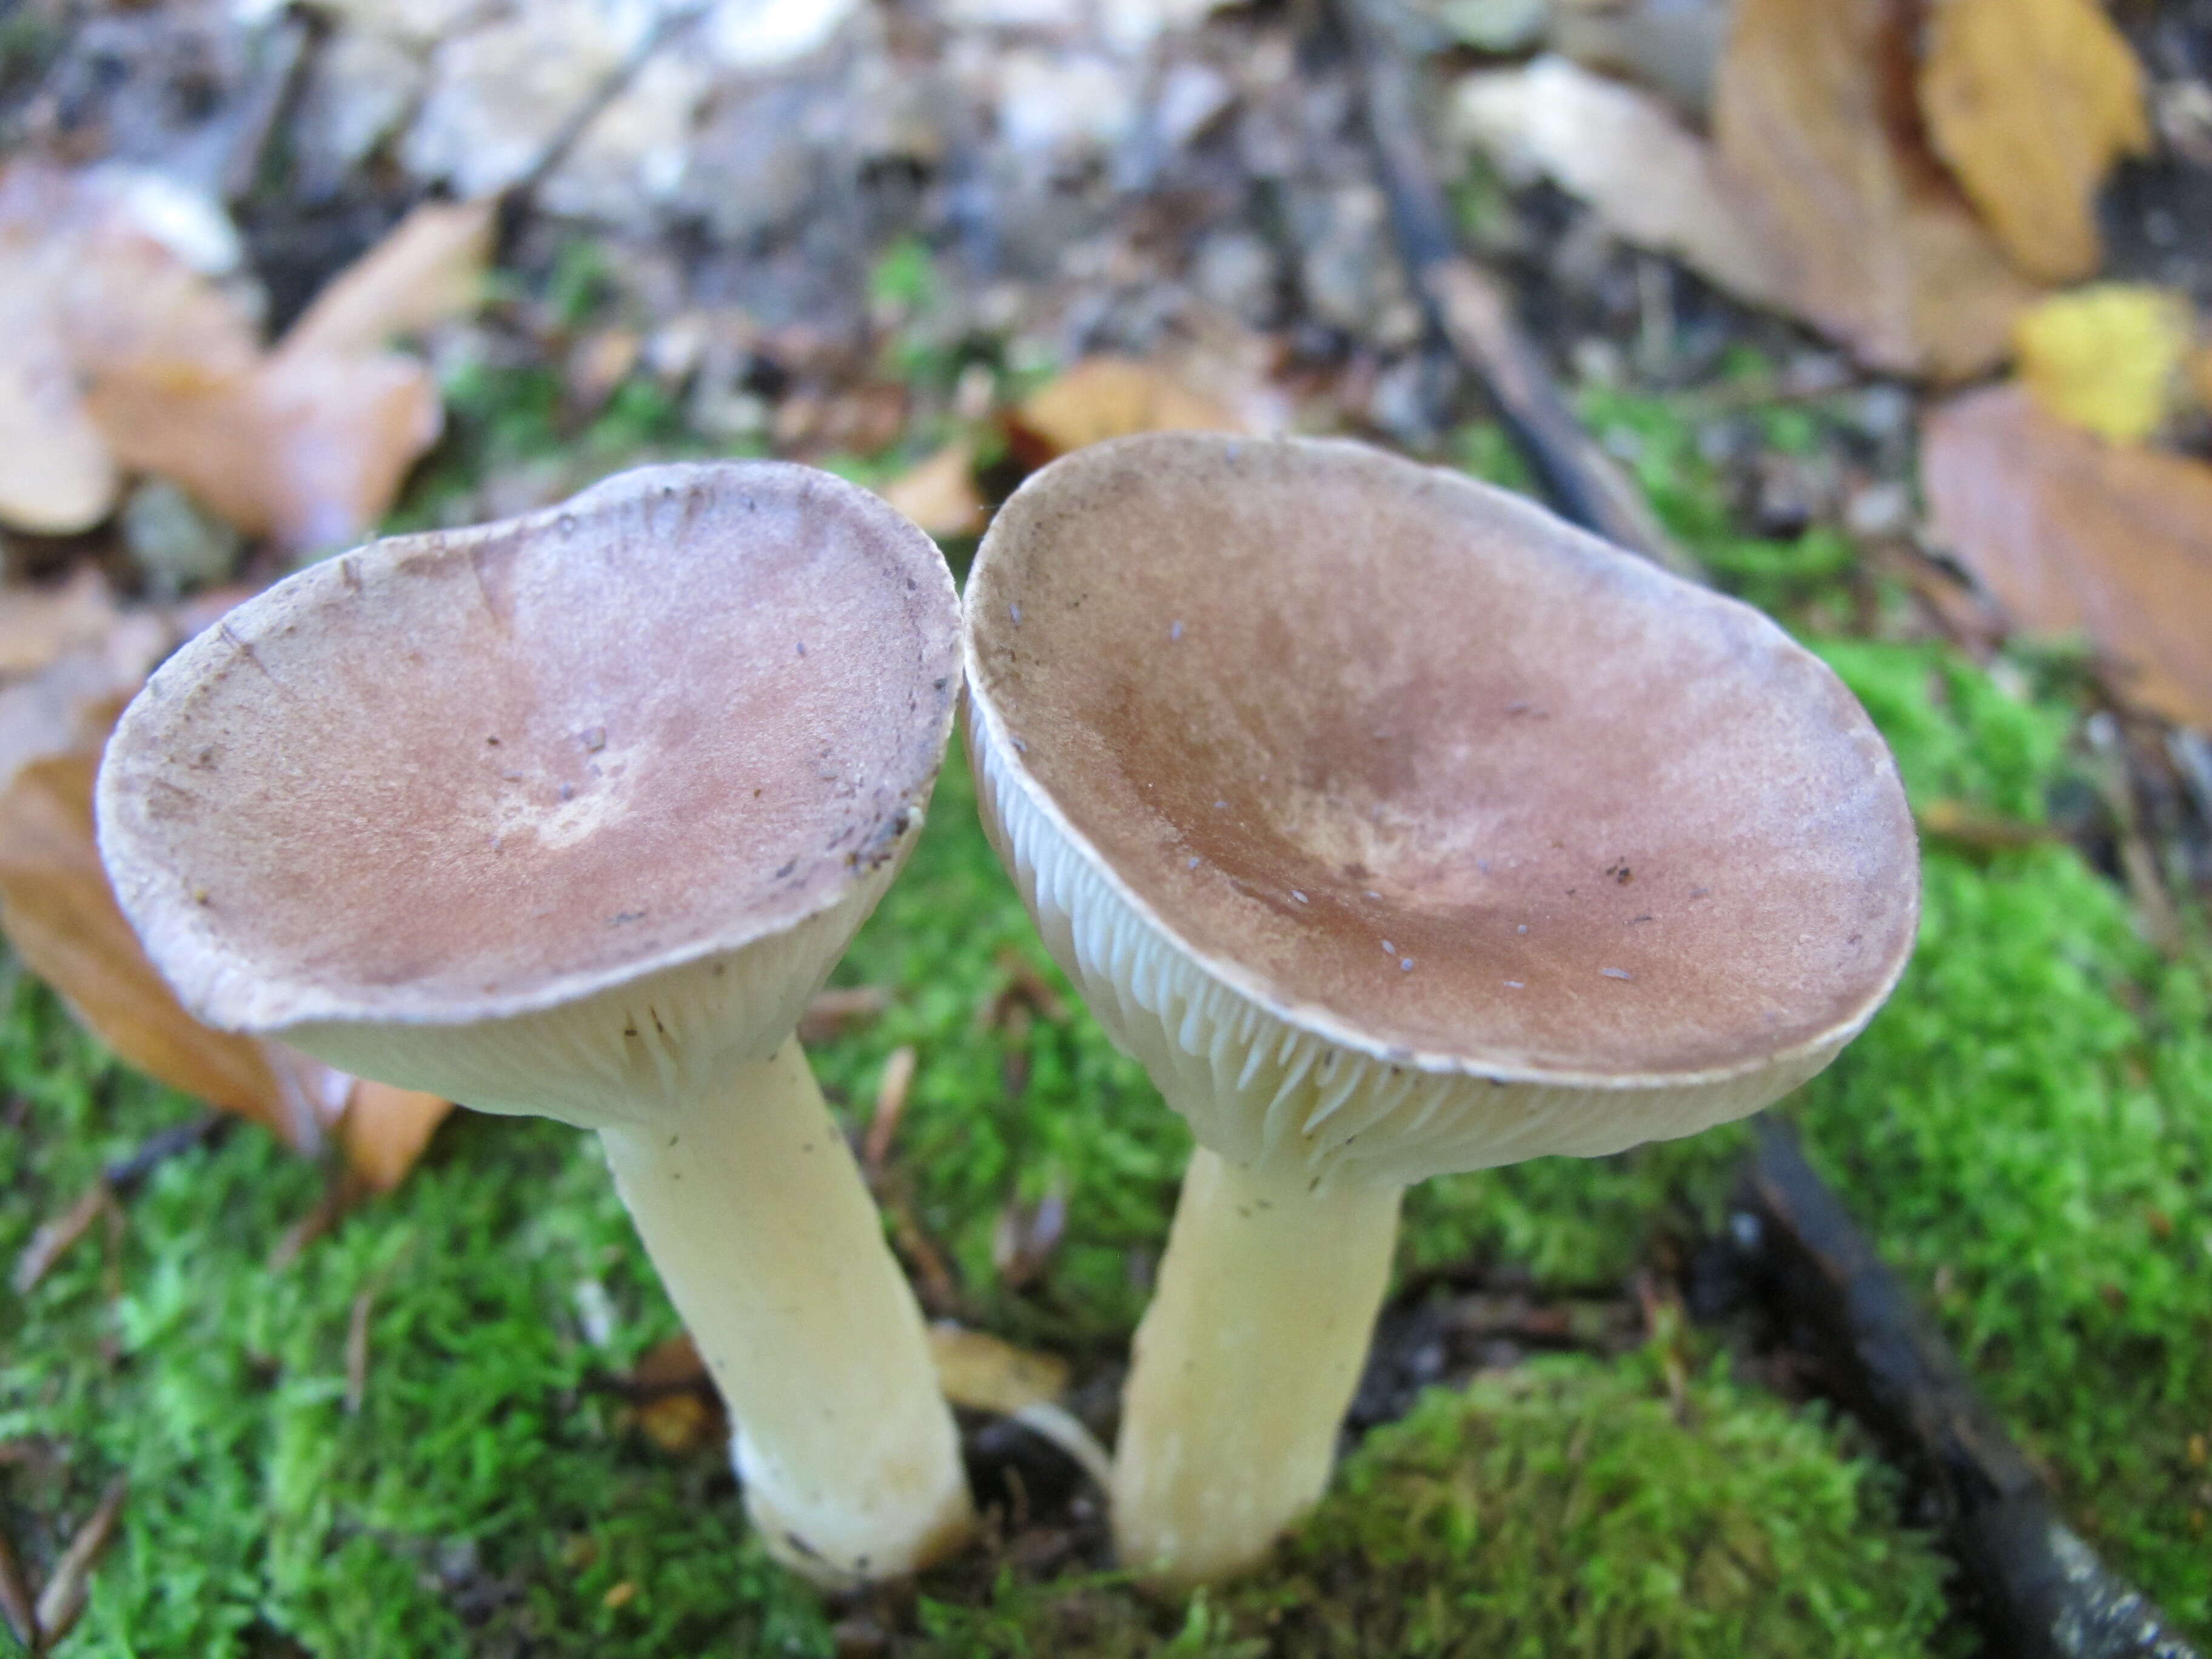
(1474,310)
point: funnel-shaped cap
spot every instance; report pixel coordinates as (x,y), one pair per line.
(563,814)
(1399,827)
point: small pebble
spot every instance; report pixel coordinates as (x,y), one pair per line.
(1516,985)
(1389,949)
(1175,631)
(1015,611)
(1405,964)
(1219,805)
(1195,864)
(802,647)
(1020,748)
(1522,928)
(1618,973)
(1296,895)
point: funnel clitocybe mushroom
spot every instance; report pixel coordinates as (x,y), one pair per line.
(570,815)
(1397,828)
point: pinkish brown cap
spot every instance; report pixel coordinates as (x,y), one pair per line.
(554,815)
(1400,828)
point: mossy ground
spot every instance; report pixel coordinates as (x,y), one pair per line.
(2026,1129)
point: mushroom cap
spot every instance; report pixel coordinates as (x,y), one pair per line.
(1293,742)
(652,753)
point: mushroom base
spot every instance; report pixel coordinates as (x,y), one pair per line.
(1244,1366)
(756,1218)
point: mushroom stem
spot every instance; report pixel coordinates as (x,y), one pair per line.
(755,1215)
(1224,1442)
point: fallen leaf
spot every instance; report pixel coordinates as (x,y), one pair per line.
(1873,242)
(125,356)
(831,1011)
(385,1129)
(1672,45)
(15,1600)
(428,268)
(56,475)
(51,1241)
(980,1371)
(2031,102)
(40,624)
(64,1598)
(1654,182)
(890,1107)
(1102,397)
(677,1408)
(356,1351)
(2108,358)
(940,495)
(306,447)
(2075,535)
(62,918)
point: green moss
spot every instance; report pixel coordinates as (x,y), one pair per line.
(2027,1129)
(485,1495)
(1566,1507)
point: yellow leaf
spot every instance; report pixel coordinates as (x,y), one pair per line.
(2031,102)
(2107,358)
(978,1371)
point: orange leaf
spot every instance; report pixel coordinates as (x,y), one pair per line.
(1102,397)
(2075,535)
(61,917)
(940,495)
(386,1129)
(1874,243)
(2031,102)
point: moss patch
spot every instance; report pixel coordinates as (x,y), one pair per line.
(1564,1507)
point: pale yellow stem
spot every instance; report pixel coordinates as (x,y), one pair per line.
(756,1218)
(1244,1366)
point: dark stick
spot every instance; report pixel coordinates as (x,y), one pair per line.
(2041,1590)
(1474,310)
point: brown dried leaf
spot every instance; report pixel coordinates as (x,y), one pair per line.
(2031,102)
(428,268)
(15,1600)
(61,917)
(940,494)
(386,1129)
(67,1587)
(831,1011)
(1654,181)
(1874,243)
(53,1238)
(1102,397)
(2076,535)
(126,354)
(306,447)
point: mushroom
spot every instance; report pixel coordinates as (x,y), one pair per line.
(570,815)
(1398,829)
